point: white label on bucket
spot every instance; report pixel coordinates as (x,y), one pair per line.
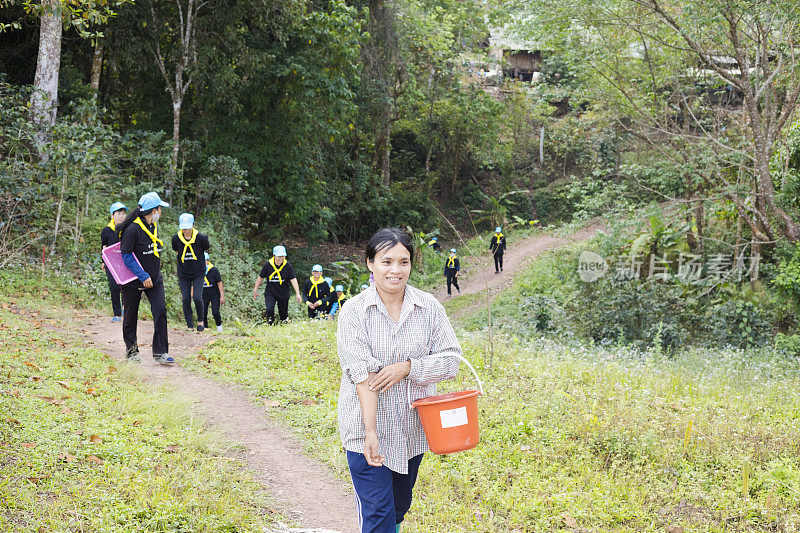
(454,417)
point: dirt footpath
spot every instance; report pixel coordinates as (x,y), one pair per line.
(518,254)
(307,490)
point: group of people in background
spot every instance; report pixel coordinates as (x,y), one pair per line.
(140,246)
(321,298)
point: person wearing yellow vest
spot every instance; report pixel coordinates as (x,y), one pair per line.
(109,237)
(315,292)
(451,268)
(190,245)
(497,245)
(279,274)
(213,293)
(141,252)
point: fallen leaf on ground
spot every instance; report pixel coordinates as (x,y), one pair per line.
(674,529)
(137,422)
(92,391)
(96,439)
(569,521)
(94,459)
(67,457)
(66,410)
(272,403)
(36,378)
(172,448)
(32,365)
(63,384)
(28,444)
(36,479)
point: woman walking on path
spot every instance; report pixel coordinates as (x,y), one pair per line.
(316,292)
(141,252)
(279,273)
(190,245)
(498,247)
(108,237)
(387,338)
(451,268)
(213,293)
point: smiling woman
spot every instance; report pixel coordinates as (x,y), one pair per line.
(395,343)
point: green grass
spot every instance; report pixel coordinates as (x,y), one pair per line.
(615,439)
(87,447)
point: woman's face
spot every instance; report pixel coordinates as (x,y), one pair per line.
(391,268)
(119,216)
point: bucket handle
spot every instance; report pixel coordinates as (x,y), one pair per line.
(463,360)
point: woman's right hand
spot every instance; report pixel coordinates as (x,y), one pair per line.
(148,283)
(371,453)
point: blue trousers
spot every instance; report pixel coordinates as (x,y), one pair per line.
(383,497)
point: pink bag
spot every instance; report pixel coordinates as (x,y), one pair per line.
(112,257)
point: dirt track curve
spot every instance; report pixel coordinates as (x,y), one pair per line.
(306,490)
(480,274)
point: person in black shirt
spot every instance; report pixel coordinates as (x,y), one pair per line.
(191,245)
(497,245)
(141,252)
(316,291)
(278,273)
(213,293)
(451,268)
(108,237)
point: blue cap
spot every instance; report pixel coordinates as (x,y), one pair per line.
(435,239)
(339,288)
(329,281)
(150,201)
(316,268)
(364,286)
(186,221)
(116,206)
(452,250)
(279,251)
(498,229)
(207,256)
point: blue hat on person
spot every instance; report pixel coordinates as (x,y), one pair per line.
(435,239)
(364,286)
(316,268)
(207,256)
(116,206)
(279,251)
(150,201)
(498,229)
(186,221)
(452,250)
(339,288)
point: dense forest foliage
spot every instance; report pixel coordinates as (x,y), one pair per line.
(320,121)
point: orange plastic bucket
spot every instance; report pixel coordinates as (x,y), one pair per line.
(450,421)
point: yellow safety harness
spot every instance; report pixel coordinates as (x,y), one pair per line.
(209,266)
(342,297)
(187,245)
(451,262)
(153,236)
(432,242)
(276,270)
(315,286)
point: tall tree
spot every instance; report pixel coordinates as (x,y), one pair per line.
(176,61)
(44,100)
(713,83)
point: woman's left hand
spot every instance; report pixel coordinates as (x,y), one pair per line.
(389,375)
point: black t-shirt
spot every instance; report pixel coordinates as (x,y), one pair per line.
(210,288)
(322,292)
(135,240)
(279,289)
(108,237)
(191,267)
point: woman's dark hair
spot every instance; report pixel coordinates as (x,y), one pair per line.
(388,238)
(131,217)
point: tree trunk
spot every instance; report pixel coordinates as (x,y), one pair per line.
(97,67)
(44,100)
(176,139)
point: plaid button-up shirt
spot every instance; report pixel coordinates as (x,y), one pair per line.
(368,339)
